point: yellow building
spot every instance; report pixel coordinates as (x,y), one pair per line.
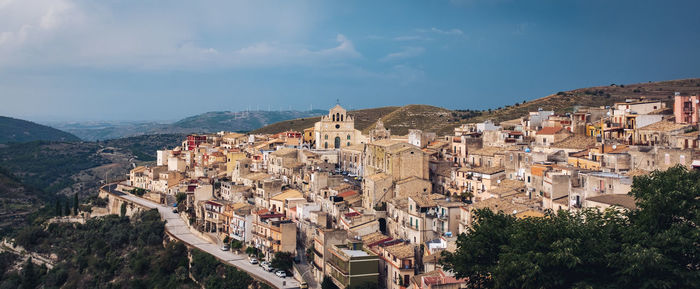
(231,159)
(308,136)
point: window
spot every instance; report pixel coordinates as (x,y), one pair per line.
(325,145)
(325,137)
(348,143)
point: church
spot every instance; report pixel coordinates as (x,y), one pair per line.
(336,130)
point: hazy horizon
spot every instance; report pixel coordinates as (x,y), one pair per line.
(78,60)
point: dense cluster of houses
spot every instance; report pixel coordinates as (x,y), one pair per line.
(377,207)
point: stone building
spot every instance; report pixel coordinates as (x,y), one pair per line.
(336,130)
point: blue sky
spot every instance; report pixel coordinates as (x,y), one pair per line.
(165,60)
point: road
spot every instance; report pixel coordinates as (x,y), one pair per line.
(177,227)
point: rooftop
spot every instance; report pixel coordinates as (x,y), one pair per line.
(576,142)
(664,126)
(355,253)
(401,250)
(288,194)
(625,201)
(484,170)
(549,130)
(487,151)
(372,238)
(257,176)
(423,200)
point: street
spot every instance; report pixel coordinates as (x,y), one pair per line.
(177,227)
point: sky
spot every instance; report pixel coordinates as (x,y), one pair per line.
(85,60)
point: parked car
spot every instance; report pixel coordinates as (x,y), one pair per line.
(253,260)
(267,267)
(281,274)
(224,247)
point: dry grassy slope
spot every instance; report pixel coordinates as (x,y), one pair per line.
(594,96)
(415,116)
(364,118)
(443,121)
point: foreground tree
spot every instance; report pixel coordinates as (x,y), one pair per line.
(654,246)
(283,261)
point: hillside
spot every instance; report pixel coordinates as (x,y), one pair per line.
(443,121)
(17,130)
(566,101)
(364,118)
(16,201)
(202,123)
(414,116)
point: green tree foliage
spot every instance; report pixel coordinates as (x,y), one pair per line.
(180,197)
(122,210)
(214,274)
(29,275)
(58,211)
(108,252)
(75,204)
(654,246)
(236,245)
(251,251)
(66,209)
(282,261)
(328,283)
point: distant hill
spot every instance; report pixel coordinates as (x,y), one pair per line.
(17,130)
(443,121)
(202,123)
(364,118)
(567,101)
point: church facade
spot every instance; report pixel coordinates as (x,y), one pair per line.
(336,130)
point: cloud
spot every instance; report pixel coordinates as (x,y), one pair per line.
(144,35)
(453,31)
(411,38)
(406,52)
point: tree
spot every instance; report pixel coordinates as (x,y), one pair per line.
(283,261)
(226,239)
(328,283)
(654,246)
(236,245)
(251,251)
(75,204)
(66,209)
(180,197)
(122,211)
(58,207)
(29,275)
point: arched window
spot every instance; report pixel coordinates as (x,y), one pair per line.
(348,143)
(341,117)
(334,117)
(325,145)
(348,137)
(325,137)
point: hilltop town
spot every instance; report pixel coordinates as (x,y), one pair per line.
(360,208)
